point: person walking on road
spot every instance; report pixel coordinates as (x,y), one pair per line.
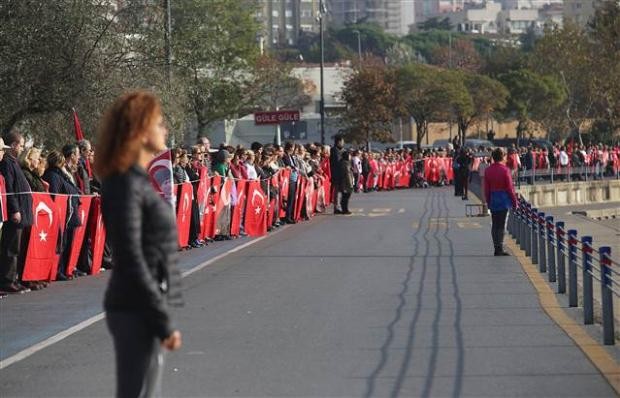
(500,197)
(142,231)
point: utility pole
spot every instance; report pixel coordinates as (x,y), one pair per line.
(359,46)
(168,43)
(322,11)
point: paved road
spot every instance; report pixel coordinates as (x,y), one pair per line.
(401,299)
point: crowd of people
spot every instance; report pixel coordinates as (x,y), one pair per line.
(340,170)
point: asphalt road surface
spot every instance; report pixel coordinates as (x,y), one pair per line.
(403,298)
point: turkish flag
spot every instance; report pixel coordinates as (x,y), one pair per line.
(61,202)
(184,212)
(79,136)
(209,216)
(300,196)
(160,174)
(41,255)
(79,233)
(222,208)
(202,198)
(310,197)
(3,210)
(285,176)
(235,226)
(256,210)
(97,234)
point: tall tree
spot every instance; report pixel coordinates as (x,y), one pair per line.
(461,55)
(274,86)
(371,103)
(214,47)
(530,95)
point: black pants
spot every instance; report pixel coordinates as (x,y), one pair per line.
(290,203)
(139,357)
(344,201)
(498,223)
(10,247)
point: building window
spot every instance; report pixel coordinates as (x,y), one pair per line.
(288,13)
(275,13)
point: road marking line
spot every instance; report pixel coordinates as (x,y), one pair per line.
(401,210)
(382,210)
(474,225)
(25,353)
(377,214)
(599,357)
(357,210)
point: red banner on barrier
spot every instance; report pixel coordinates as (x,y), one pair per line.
(256,210)
(97,235)
(235,225)
(61,204)
(184,212)
(41,254)
(3,209)
(222,208)
(79,233)
(277,117)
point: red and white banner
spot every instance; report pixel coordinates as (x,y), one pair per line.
(256,210)
(41,255)
(3,209)
(223,208)
(184,212)
(160,174)
(79,233)
(277,117)
(239,209)
(97,235)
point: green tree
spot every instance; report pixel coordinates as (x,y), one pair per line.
(214,48)
(436,23)
(61,54)
(371,103)
(487,96)
(531,95)
(274,87)
(373,39)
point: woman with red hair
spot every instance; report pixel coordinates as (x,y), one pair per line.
(142,232)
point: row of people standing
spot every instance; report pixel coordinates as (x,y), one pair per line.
(26,171)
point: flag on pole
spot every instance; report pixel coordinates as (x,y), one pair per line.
(79,136)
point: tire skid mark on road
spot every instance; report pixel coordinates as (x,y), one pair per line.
(385,347)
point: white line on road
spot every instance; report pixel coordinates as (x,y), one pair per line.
(86,323)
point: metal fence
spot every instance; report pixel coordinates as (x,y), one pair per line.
(553,249)
(566,174)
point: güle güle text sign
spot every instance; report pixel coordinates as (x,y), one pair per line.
(276,117)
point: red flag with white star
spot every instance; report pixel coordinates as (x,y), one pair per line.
(256,210)
(79,233)
(235,227)
(184,212)
(41,254)
(97,234)
(3,210)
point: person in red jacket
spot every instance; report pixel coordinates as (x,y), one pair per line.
(500,197)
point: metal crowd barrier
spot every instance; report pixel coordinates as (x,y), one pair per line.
(566,174)
(553,248)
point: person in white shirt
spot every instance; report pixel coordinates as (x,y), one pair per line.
(249,165)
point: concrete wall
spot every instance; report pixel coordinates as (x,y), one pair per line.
(571,193)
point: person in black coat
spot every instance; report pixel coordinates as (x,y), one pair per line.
(60,183)
(335,157)
(141,225)
(19,209)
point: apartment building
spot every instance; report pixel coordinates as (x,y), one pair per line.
(284,20)
(394,16)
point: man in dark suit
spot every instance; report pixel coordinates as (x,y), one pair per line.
(335,157)
(19,212)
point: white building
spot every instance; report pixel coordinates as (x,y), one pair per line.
(244,131)
(394,16)
(482,18)
(579,11)
(517,21)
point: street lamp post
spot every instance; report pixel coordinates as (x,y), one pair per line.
(359,45)
(322,11)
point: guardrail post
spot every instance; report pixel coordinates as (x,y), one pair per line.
(534,236)
(607,298)
(510,222)
(572,268)
(588,299)
(561,257)
(542,249)
(522,235)
(550,251)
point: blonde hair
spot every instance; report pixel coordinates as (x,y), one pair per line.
(27,156)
